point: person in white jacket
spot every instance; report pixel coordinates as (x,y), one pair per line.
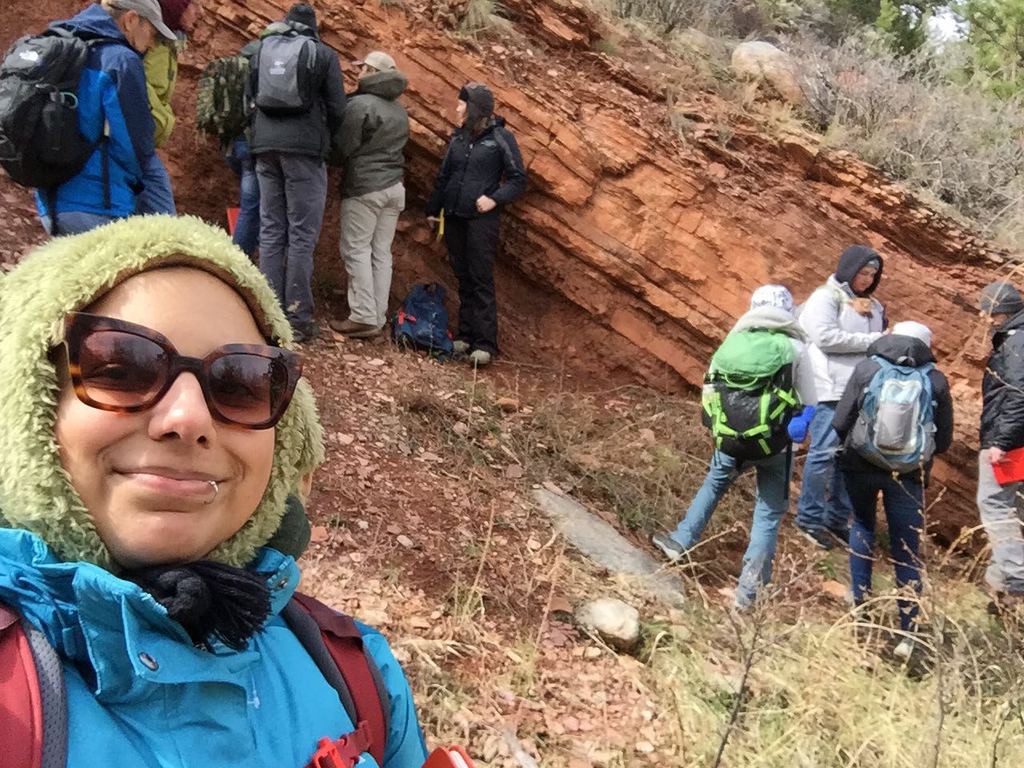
(841,320)
(771,308)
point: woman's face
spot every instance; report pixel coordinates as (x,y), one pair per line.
(191,16)
(863,279)
(145,477)
(460,111)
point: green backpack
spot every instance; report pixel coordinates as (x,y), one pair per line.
(748,395)
(220,98)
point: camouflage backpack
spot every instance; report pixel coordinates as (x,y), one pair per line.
(220,98)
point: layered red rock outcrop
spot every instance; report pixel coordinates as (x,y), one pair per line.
(636,246)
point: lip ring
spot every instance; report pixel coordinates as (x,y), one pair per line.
(216,490)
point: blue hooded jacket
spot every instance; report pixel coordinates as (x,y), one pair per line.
(140,695)
(112,101)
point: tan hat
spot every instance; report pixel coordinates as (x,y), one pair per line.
(150,11)
(378,60)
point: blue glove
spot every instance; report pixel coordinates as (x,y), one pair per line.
(800,423)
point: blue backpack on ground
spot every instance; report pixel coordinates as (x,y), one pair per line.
(895,429)
(422,321)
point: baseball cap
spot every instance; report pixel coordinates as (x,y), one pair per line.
(378,60)
(150,11)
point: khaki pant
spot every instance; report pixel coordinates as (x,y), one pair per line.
(367,229)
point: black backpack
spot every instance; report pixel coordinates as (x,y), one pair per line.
(40,143)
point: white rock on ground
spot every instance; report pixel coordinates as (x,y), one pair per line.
(617,623)
(758,60)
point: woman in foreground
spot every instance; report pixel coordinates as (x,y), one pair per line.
(152,425)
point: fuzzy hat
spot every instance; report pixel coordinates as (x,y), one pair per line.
(777,296)
(69,273)
(172,11)
(915,330)
(302,13)
(1000,298)
(479,100)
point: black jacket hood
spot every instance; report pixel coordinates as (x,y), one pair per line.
(852,261)
(902,350)
(1013,323)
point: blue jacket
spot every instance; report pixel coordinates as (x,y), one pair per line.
(264,707)
(111,97)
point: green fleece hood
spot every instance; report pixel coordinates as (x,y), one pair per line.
(69,273)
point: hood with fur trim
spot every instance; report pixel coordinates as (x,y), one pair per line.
(69,273)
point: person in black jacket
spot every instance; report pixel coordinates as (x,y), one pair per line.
(908,346)
(481,173)
(1002,430)
(290,144)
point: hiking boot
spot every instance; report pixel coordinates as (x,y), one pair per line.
(478,358)
(904,649)
(355,330)
(460,347)
(819,537)
(669,546)
(305,333)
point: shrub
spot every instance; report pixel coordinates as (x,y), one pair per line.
(912,118)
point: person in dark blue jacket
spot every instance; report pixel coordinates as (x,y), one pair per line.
(113,111)
(481,173)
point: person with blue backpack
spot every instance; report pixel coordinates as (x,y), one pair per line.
(758,396)
(113,140)
(895,416)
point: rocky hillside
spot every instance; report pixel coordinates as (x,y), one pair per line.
(637,244)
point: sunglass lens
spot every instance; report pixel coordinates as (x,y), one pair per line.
(120,369)
(248,389)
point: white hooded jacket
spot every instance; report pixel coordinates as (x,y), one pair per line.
(838,336)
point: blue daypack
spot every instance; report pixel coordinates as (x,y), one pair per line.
(895,429)
(422,321)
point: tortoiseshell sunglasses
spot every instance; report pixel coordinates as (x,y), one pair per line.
(126,368)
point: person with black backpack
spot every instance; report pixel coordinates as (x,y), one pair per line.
(481,173)
(85,151)
(895,416)
(759,380)
(298,95)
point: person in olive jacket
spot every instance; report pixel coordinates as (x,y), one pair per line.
(371,144)
(481,173)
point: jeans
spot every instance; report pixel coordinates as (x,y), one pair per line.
(903,500)
(368,225)
(1000,508)
(293,192)
(769,509)
(157,195)
(247,228)
(824,502)
(472,246)
(75,222)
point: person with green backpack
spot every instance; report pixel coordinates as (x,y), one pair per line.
(755,397)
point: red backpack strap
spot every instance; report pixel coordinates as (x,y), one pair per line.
(359,684)
(33,706)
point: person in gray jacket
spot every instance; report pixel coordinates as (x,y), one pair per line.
(298,98)
(372,147)
(841,320)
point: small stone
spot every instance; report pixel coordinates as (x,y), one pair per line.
(533,544)
(835,590)
(507,404)
(644,747)
(405,541)
(363,525)
(618,623)
(513,471)
(648,437)
(345,439)
(375,363)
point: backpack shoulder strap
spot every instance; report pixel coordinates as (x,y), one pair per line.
(33,704)
(335,643)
